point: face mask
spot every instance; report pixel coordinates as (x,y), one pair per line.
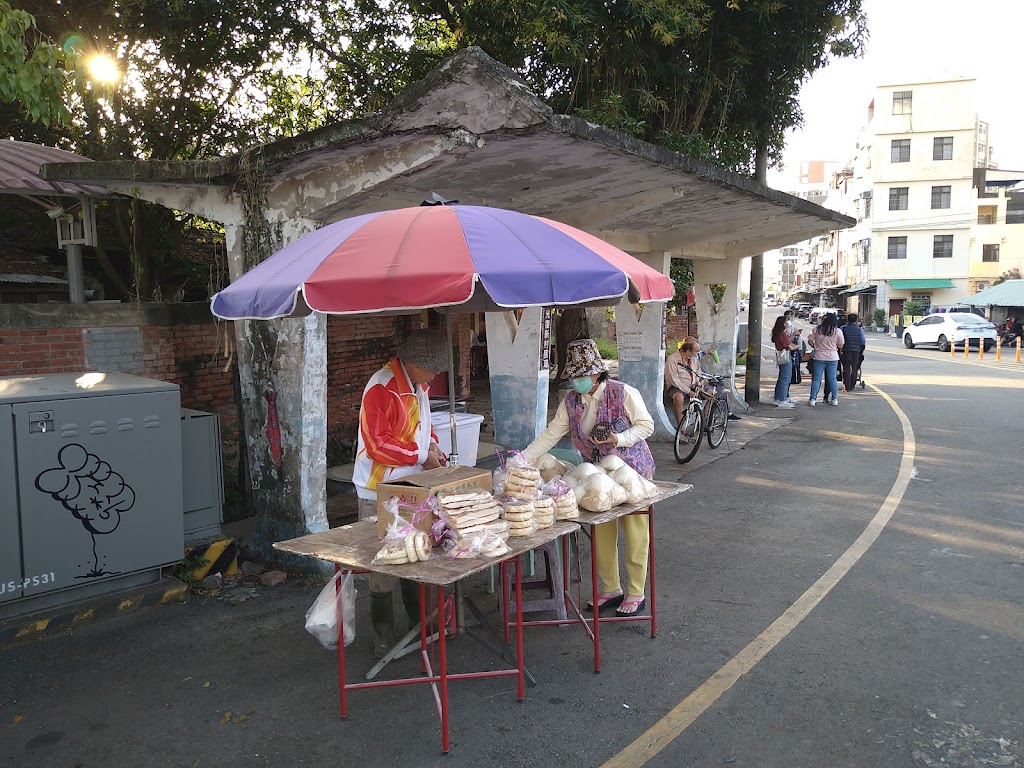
(583,384)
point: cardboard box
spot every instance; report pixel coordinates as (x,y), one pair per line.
(414,489)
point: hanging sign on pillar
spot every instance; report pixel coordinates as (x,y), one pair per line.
(545,340)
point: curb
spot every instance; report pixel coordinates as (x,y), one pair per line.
(27,628)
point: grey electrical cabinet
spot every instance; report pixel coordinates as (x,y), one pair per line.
(90,482)
(202,476)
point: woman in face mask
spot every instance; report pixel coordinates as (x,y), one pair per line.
(623,425)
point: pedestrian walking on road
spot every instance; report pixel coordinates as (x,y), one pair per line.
(853,351)
(784,348)
(827,340)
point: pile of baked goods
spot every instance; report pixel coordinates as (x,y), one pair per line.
(411,547)
(474,525)
(519,514)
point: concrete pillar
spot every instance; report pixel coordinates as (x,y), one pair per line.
(719,323)
(290,357)
(640,333)
(76,288)
(517,355)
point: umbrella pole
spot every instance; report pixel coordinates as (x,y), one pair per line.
(453,457)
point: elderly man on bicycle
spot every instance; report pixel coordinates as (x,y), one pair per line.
(682,379)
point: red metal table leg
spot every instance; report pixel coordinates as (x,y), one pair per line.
(654,584)
(519,627)
(443,670)
(341,648)
(593,601)
(503,573)
(423,627)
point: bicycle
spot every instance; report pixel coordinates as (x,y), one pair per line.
(705,415)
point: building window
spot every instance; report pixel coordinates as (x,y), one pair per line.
(900,151)
(902,101)
(987,214)
(942,247)
(924,299)
(990,252)
(898,247)
(941,197)
(899,198)
(942,148)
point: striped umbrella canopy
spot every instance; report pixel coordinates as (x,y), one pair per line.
(470,258)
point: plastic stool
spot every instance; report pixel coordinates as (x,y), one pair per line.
(552,581)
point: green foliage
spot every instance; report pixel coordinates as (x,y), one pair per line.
(912,308)
(1010,274)
(878,318)
(681,273)
(33,71)
(717,292)
(609,349)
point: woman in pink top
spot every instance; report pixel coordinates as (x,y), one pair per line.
(827,340)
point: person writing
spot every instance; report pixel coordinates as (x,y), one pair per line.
(396,439)
(597,399)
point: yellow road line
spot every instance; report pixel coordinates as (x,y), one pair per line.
(662,733)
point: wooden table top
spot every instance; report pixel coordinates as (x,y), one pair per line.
(354,546)
(667,491)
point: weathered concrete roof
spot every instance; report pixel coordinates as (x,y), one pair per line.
(472,131)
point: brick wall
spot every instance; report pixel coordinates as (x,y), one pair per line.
(357,347)
(179,343)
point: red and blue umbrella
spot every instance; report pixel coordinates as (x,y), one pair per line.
(465,257)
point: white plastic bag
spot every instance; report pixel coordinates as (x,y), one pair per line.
(322,616)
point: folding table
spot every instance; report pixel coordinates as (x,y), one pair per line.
(589,520)
(352,547)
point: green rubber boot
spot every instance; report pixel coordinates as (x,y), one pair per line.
(382,617)
(411,600)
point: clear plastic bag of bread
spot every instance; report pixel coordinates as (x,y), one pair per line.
(566,507)
(544,510)
(403,543)
(599,493)
(551,467)
(476,545)
(521,480)
(519,514)
(638,487)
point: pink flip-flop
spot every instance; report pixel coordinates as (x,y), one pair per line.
(606,602)
(636,605)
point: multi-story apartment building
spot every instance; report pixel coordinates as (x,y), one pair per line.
(927,142)
(935,221)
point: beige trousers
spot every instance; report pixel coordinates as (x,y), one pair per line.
(638,543)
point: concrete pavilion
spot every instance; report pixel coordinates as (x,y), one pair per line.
(471,131)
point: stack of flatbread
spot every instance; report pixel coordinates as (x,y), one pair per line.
(544,511)
(470,512)
(408,549)
(480,544)
(566,507)
(519,515)
(521,483)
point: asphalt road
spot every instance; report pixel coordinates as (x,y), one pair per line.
(847,590)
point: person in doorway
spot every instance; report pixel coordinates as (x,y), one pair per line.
(827,340)
(395,439)
(783,343)
(854,343)
(594,399)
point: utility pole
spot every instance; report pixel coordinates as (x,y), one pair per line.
(755,311)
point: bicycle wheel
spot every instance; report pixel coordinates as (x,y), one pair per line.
(718,423)
(688,434)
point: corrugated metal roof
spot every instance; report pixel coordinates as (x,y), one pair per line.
(33,279)
(1008,294)
(19,171)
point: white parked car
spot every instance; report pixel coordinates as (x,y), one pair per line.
(817,312)
(950,328)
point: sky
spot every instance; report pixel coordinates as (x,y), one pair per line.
(913,40)
(916,39)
